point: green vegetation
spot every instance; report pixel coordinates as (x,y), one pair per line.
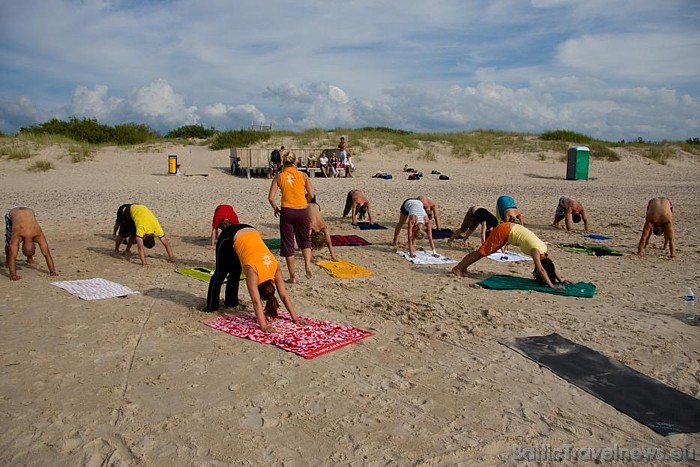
(191,131)
(81,152)
(89,131)
(567,136)
(238,139)
(40,166)
(15,153)
(601,151)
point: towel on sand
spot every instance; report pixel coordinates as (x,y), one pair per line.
(593,250)
(439,234)
(273,243)
(509,257)
(94,289)
(310,340)
(425,257)
(661,408)
(368,226)
(201,273)
(348,240)
(499,282)
(343,268)
(597,236)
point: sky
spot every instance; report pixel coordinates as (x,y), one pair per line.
(614,70)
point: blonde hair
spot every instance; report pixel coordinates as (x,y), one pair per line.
(418,232)
(289,158)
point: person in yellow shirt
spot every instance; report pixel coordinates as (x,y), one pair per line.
(140,226)
(240,248)
(294,215)
(509,233)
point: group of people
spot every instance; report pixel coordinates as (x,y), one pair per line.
(239,248)
(336,164)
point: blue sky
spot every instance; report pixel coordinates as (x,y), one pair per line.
(610,69)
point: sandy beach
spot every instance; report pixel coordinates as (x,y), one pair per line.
(140,380)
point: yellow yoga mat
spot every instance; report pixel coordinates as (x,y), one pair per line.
(343,268)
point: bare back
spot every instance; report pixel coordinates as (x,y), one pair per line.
(659,211)
(24,223)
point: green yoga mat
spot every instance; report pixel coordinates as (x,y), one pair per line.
(593,250)
(498,282)
(273,243)
(200,273)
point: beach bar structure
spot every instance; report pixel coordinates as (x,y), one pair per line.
(257,160)
(577,163)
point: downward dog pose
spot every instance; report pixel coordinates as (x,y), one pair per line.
(140,226)
(412,211)
(507,210)
(21,227)
(240,248)
(570,210)
(659,221)
(224,215)
(431,208)
(526,240)
(319,232)
(357,204)
(476,216)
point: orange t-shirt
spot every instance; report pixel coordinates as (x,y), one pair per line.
(253,252)
(293,186)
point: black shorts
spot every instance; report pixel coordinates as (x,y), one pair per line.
(127,227)
(403,209)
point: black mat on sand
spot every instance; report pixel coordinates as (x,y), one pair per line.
(662,408)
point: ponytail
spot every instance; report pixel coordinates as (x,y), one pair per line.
(267,293)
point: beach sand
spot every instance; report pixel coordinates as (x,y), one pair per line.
(141,381)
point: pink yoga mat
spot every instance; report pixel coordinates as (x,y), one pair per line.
(311,340)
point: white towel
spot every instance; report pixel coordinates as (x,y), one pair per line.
(94,289)
(509,257)
(425,257)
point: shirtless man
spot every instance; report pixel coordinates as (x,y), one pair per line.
(319,233)
(659,220)
(431,208)
(21,227)
(570,210)
(357,203)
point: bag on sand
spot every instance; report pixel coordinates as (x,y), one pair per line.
(443,177)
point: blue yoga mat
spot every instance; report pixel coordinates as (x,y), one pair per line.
(662,408)
(597,236)
(368,226)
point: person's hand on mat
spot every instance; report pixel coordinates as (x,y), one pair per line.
(300,321)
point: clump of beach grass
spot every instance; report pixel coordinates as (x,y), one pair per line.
(81,152)
(40,166)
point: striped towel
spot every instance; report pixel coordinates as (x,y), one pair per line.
(94,289)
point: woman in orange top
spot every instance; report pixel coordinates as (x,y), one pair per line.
(240,248)
(294,216)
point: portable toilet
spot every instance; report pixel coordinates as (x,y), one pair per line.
(577,163)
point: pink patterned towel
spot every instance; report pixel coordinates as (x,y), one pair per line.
(311,340)
(94,289)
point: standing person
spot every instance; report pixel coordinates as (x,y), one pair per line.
(224,215)
(431,208)
(413,212)
(507,210)
(514,234)
(342,154)
(21,227)
(570,210)
(358,204)
(476,216)
(275,162)
(319,232)
(240,248)
(140,226)
(294,216)
(323,161)
(659,221)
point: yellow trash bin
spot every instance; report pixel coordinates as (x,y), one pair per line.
(172,164)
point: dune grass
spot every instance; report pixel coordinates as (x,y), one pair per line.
(40,166)
(16,153)
(81,152)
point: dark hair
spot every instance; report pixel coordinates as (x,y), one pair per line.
(548,266)
(576,217)
(149,241)
(362,211)
(658,229)
(318,239)
(267,293)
